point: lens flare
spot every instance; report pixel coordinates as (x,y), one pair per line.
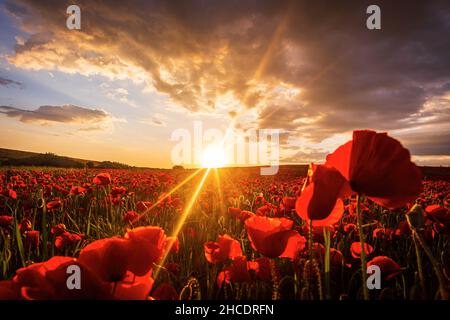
(213,157)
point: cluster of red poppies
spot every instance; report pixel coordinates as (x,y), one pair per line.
(248,236)
(112,268)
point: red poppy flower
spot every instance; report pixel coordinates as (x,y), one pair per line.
(226,248)
(172,244)
(130,216)
(439,214)
(12,194)
(165,292)
(48,280)
(67,239)
(118,191)
(389,268)
(269,236)
(108,258)
(32,239)
(289,203)
(245,215)
(102,179)
(349,227)
(75,191)
(378,233)
(6,221)
(234,212)
(355,249)
(142,206)
(295,245)
(223,277)
(321,200)
(148,244)
(265,209)
(133,287)
(53,205)
(239,214)
(379,167)
(58,229)
(237,271)
(259,200)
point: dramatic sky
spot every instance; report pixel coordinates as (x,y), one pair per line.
(139,70)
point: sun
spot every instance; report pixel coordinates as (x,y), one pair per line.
(213,157)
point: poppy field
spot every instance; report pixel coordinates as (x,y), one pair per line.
(230,233)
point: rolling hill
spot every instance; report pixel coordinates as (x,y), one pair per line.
(10,157)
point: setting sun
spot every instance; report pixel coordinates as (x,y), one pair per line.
(213,157)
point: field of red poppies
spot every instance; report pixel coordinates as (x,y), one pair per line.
(230,233)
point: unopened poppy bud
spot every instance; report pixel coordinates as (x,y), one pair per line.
(415,218)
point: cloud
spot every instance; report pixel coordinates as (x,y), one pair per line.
(91,129)
(308,155)
(68,114)
(157,119)
(118,94)
(8,82)
(307,67)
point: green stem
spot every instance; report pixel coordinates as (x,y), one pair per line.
(415,221)
(327,237)
(419,266)
(363,252)
(275,280)
(310,249)
(437,269)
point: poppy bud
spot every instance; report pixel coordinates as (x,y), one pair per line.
(415,218)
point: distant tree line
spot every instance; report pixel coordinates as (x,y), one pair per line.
(108,165)
(53,160)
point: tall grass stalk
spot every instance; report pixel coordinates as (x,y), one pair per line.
(363,251)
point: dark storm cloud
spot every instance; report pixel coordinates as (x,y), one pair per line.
(428,143)
(194,51)
(56,114)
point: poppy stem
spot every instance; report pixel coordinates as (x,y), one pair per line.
(327,237)
(437,269)
(310,249)
(419,266)
(363,252)
(415,221)
(275,280)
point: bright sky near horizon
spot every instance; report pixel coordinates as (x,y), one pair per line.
(137,71)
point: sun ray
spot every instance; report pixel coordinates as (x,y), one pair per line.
(181,221)
(316,77)
(166,195)
(270,49)
(219,190)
